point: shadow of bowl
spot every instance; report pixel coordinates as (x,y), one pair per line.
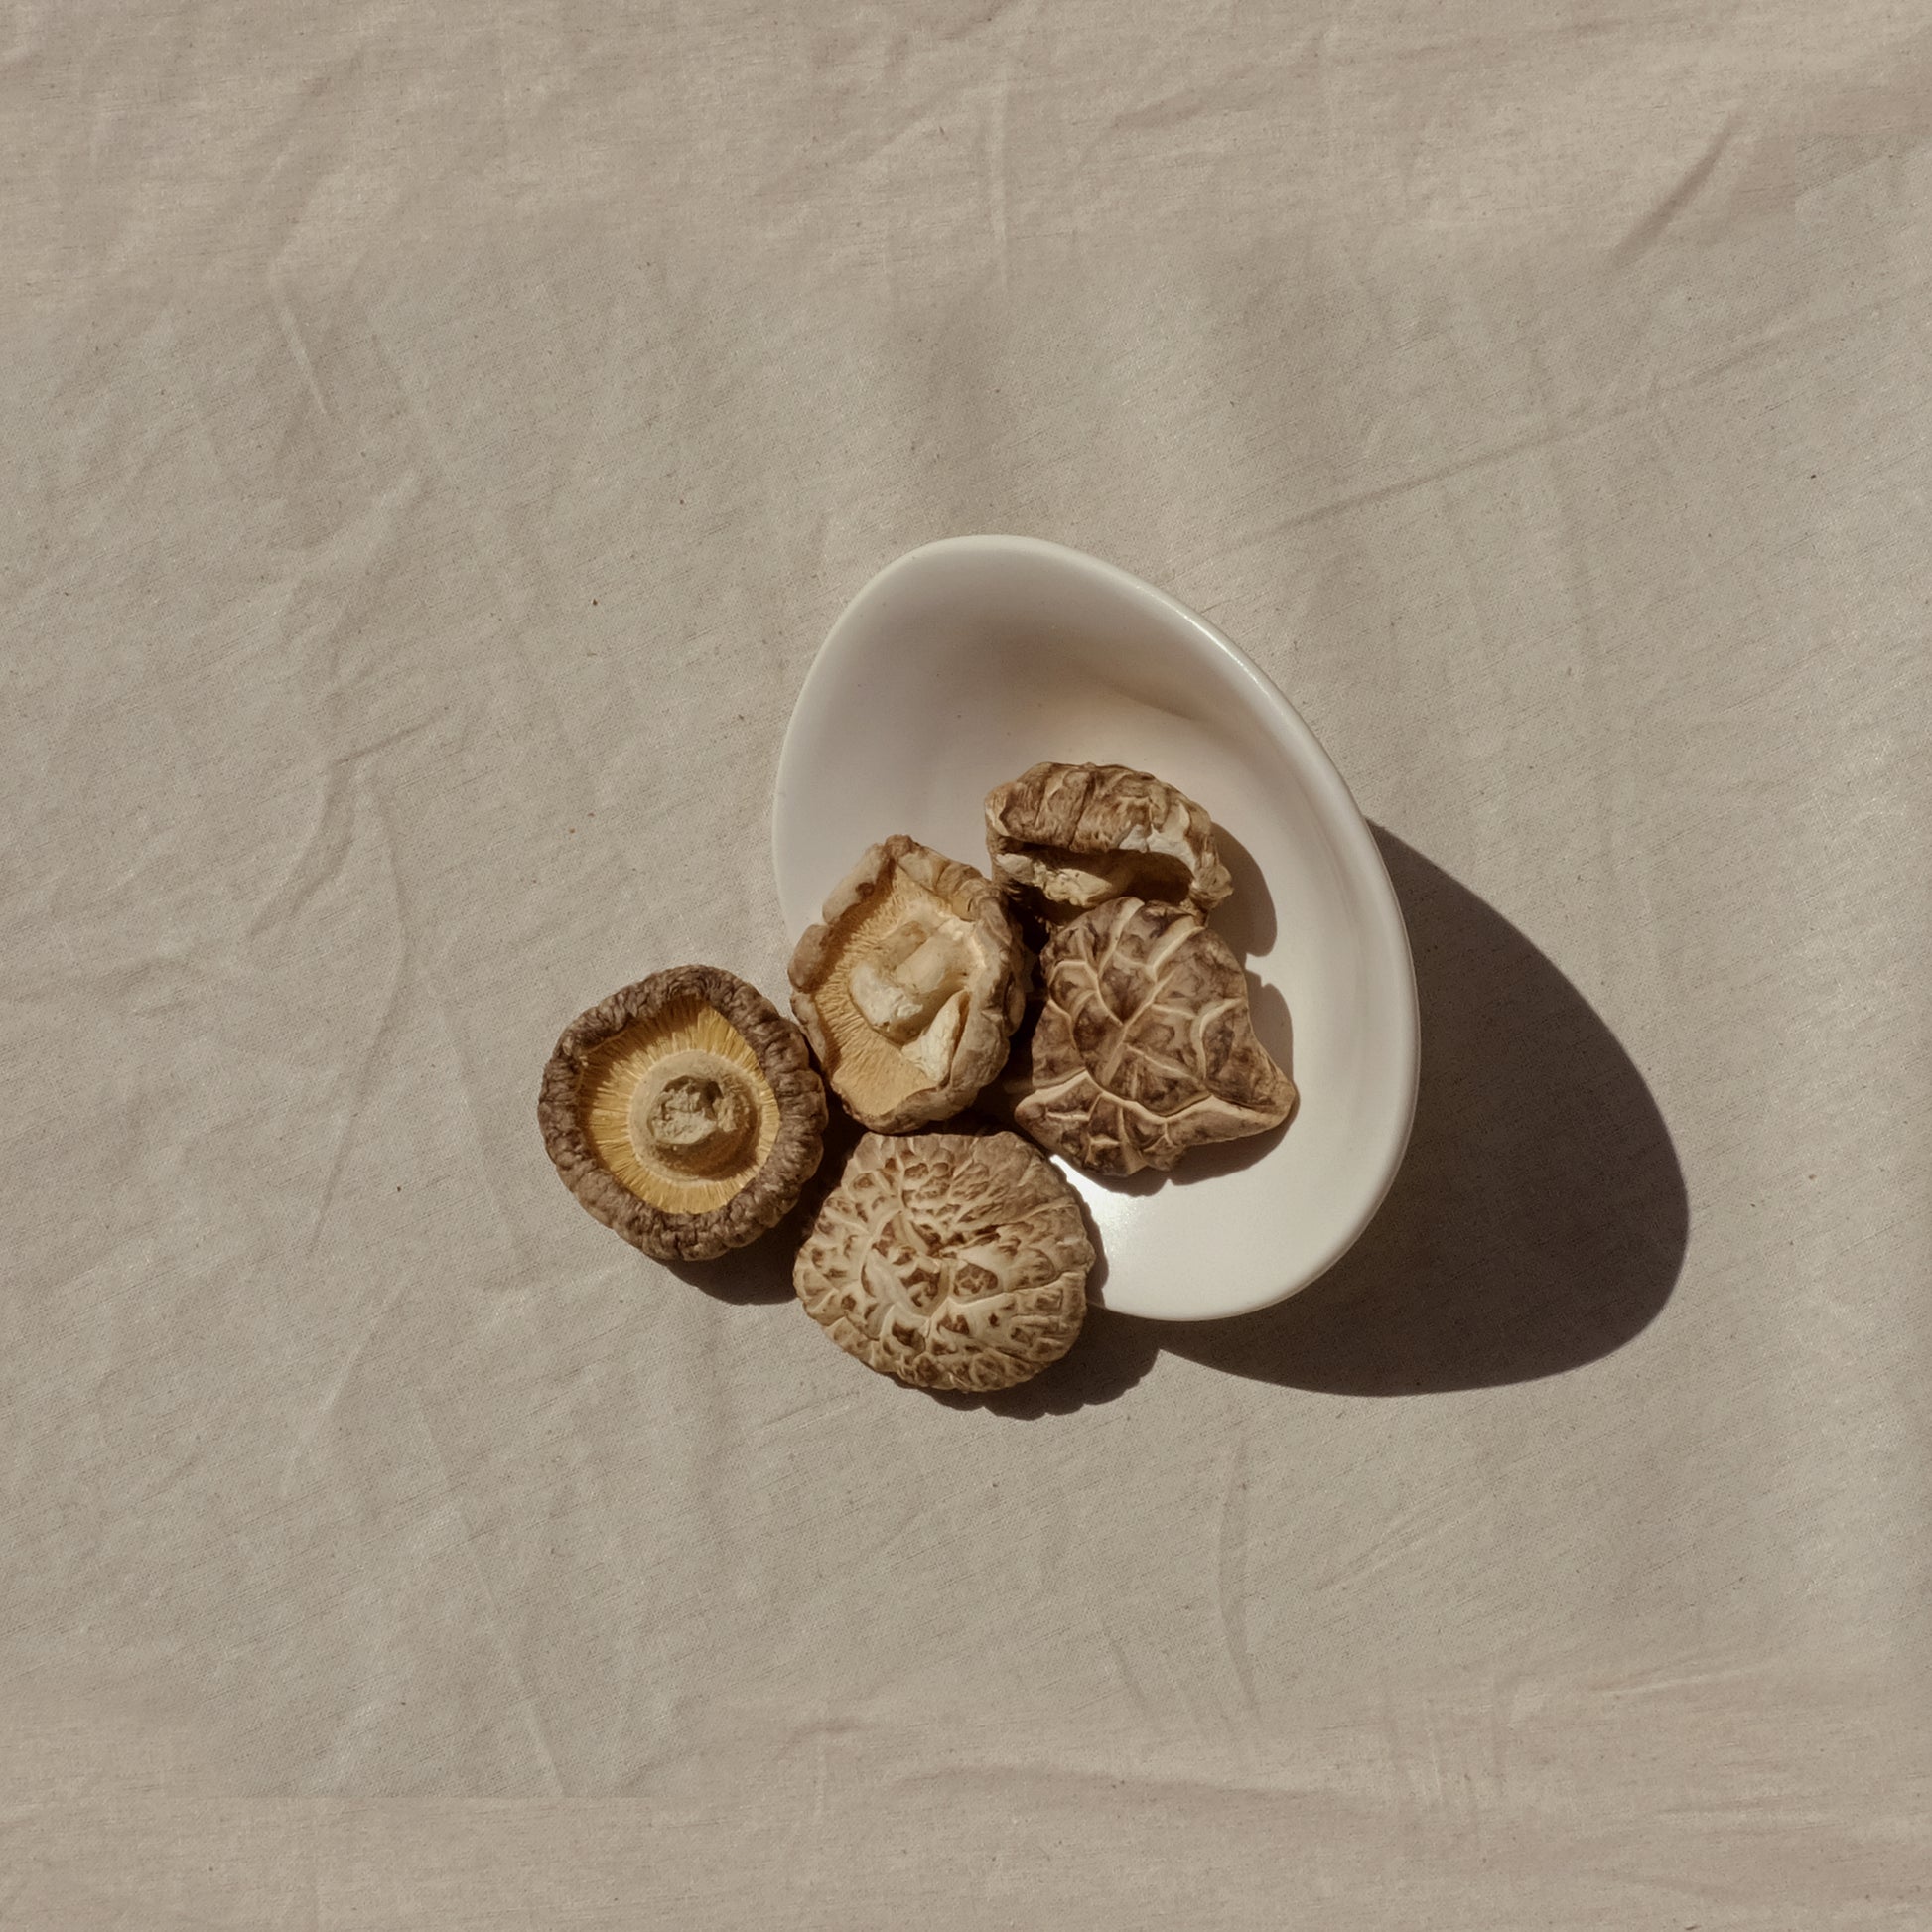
(1540,1218)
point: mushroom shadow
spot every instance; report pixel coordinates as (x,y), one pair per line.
(1540,1219)
(762,1272)
(1246,918)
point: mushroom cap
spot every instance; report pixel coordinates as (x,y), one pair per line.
(910,987)
(1064,838)
(952,1261)
(1145,1045)
(684,1113)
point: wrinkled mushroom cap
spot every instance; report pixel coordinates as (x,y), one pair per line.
(912,986)
(683,1113)
(952,1261)
(1064,838)
(1145,1045)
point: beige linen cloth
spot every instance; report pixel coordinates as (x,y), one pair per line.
(435,439)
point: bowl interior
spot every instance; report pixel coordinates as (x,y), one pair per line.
(967,661)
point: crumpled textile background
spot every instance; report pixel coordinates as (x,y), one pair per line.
(437,439)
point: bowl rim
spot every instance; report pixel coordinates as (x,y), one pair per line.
(1388,934)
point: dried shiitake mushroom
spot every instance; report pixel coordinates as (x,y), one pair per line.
(684,1113)
(953,1261)
(912,987)
(1064,838)
(1144,1046)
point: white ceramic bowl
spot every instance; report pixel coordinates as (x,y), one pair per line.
(966,661)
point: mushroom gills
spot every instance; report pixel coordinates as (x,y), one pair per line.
(679,1110)
(1073,881)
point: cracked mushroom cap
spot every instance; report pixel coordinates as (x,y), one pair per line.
(910,988)
(952,1261)
(1064,838)
(1145,1045)
(683,1112)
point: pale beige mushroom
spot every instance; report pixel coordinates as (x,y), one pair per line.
(1145,1045)
(683,1112)
(910,988)
(952,1261)
(1065,838)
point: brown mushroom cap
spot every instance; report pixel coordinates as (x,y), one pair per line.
(1064,838)
(683,1112)
(952,1261)
(1145,1045)
(910,987)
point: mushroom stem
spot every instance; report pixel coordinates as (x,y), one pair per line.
(902,998)
(692,1114)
